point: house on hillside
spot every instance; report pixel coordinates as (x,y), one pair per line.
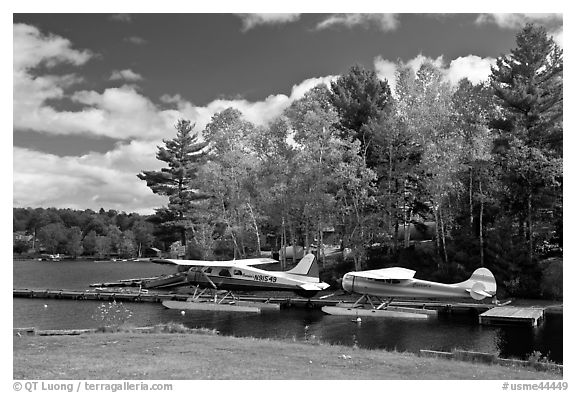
(419,232)
(21,236)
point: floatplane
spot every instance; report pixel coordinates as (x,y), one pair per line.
(398,282)
(216,277)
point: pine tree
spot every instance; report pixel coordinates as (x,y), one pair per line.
(359,96)
(183,156)
(528,88)
(528,85)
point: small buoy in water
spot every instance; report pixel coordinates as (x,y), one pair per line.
(358,319)
(182,312)
(45,306)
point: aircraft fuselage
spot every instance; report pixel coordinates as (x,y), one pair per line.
(401,287)
(242,275)
(250,279)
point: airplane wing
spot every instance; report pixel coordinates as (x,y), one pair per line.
(390,273)
(234,263)
(253,261)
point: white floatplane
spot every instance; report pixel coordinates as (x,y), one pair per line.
(241,274)
(397,282)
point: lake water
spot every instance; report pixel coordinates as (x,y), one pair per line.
(442,334)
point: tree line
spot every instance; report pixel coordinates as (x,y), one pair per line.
(83,233)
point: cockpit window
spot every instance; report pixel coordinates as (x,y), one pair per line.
(208,270)
(224,273)
(391,281)
(237,272)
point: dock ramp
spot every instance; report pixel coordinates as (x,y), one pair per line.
(512,315)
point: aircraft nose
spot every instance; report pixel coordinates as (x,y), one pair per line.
(347,282)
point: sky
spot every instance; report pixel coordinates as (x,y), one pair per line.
(95,94)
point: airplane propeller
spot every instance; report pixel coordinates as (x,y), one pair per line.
(336,293)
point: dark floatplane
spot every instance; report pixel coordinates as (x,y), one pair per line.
(398,282)
(241,275)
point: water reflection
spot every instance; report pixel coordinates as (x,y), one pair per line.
(546,339)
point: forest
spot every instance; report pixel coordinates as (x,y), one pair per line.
(355,164)
(82,232)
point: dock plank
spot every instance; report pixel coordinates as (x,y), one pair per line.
(509,314)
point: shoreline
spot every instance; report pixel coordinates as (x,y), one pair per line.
(149,353)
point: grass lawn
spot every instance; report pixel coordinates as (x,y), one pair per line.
(137,356)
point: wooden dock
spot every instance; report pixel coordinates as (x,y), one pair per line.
(512,315)
(134,295)
(159,297)
(487,313)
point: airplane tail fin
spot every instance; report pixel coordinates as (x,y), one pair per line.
(480,285)
(306,267)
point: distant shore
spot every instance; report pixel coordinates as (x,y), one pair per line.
(130,355)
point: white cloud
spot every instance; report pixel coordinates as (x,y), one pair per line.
(517,20)
(30,93)
(553,22)
(558,37)
(475,68)
(125,113)
(386,70)
(120,112)
(259,113)
(131,157)
(136,40)
(126,75)
(384,22)
(417,62)
(32,48)
(302,88)
(250,21)
(93,181)
(116,112)
(171,99)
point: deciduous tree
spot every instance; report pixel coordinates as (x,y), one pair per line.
(52,236)
(103,246)
(89,243)
(74,242)
(230,176)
